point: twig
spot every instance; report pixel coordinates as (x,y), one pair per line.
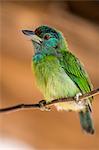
(42,104)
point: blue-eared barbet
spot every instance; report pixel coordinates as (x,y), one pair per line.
(59,73)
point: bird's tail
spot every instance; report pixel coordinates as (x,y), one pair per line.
(86,121)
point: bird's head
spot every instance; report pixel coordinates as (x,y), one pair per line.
(47,40)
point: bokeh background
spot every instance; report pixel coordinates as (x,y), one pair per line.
(79,21)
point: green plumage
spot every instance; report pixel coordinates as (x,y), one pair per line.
(60,74)
(52,79)
(76,72)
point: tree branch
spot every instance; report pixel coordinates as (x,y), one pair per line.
(42,104)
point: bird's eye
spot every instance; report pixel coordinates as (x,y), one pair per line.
(46,37)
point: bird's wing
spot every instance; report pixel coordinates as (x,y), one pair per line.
(75,70)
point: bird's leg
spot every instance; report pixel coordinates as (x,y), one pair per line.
(42,105)
(77,97)
(80,102)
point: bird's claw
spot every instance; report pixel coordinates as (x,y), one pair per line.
(77,97)
(42,106)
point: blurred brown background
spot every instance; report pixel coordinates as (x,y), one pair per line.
(79,21)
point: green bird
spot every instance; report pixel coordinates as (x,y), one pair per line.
(59,73)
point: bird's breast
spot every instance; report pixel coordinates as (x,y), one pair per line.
(54,83)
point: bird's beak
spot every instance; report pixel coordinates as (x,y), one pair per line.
(32,36)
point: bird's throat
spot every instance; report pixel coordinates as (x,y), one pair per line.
(38,57)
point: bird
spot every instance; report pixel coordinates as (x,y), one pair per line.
(59,73)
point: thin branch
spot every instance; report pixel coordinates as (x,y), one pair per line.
(42,104)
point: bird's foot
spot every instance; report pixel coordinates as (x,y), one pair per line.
(77,97)
(42,106)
